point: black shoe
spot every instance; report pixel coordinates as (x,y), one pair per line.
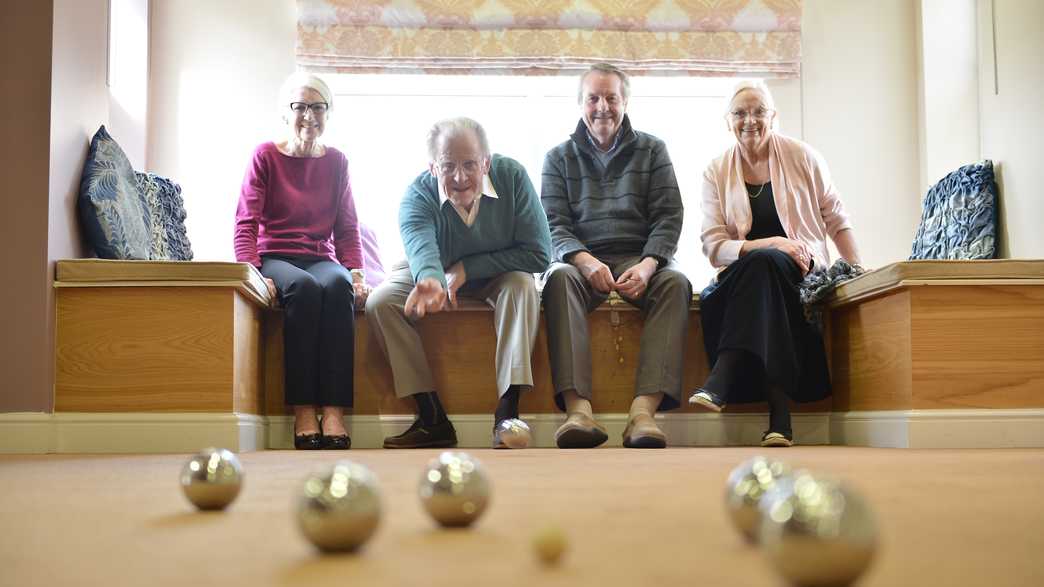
(419,435)
(308,441)
(336,442)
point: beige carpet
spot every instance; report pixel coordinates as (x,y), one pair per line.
(634,518)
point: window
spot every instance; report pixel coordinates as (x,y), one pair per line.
(380,122)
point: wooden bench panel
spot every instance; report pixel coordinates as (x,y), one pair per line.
(977,346)
(460,347)
(156,349)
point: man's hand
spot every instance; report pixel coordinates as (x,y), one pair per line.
(427,297)
(633,282)
(455,278)
(594,271)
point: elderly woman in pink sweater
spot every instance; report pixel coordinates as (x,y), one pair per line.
(296,222)
(769,206)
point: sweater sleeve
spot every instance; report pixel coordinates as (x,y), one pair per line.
(347,241)
(835,218)
(417,227)
(531,251)
(554,197)
(718,246)
(666,211)
(248,211)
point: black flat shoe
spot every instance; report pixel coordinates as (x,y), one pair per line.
(308,441)
(336,442)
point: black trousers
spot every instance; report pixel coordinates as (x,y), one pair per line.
(318,329)
(755,307)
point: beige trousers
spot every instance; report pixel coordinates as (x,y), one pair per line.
(516,318)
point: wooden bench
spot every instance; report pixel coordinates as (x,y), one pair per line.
(168,356)
(939,353)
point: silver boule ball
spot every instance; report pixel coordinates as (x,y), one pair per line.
(212,479)
(454,489)
(747,483)
(816,531)
(338,510)
(514,433)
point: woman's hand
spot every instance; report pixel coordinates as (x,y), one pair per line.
(796,250)
(272,291)
(362,291)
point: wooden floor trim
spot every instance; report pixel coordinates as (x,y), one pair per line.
(959,428)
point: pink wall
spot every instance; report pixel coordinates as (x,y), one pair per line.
(55,97)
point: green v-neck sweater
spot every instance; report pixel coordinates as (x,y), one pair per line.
(509,234)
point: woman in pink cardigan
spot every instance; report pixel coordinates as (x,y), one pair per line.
(768,207)
(296,222)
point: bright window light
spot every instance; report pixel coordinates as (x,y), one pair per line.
(380,122)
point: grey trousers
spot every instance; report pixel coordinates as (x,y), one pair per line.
(568,298)
(516,318)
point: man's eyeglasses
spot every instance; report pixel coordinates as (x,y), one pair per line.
(759,114)
(448,168)
(317,108)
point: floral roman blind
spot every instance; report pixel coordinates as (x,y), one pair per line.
(668,37)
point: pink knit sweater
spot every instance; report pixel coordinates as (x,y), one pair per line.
(808,204)
(298,206)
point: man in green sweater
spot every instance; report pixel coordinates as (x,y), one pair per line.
(615,212)
(472,225)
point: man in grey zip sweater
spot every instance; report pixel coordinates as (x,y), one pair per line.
(615,214)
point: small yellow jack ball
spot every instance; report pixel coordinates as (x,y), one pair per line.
(550,544)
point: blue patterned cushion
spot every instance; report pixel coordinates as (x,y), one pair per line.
(110,204)
(165,208)
(959,220)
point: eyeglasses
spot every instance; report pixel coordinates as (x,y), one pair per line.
(759,114)
(317,108)
(448,168)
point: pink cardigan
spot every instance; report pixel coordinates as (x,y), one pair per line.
(808,204)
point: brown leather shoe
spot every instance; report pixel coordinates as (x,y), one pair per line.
(642,432)
(580,431)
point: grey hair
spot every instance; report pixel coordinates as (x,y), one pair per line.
(625,80)
(451,127)
(756,85)
(302,79)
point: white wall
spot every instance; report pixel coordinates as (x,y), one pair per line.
(858,106)
(859,80)
(1012,118)
(949,87)
(216,68)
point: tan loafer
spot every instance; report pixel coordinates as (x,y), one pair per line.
(642,432)
(580,431)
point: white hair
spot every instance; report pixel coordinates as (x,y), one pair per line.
(756,85)
(302,79)
(451,127)
(607,68)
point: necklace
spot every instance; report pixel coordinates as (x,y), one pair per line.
(754,196)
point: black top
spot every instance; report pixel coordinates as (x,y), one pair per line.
(764,218)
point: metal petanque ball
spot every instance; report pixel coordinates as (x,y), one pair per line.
(338,510)
(454,489)
(816,531)
(212,479)
(514,433)
(747,483)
